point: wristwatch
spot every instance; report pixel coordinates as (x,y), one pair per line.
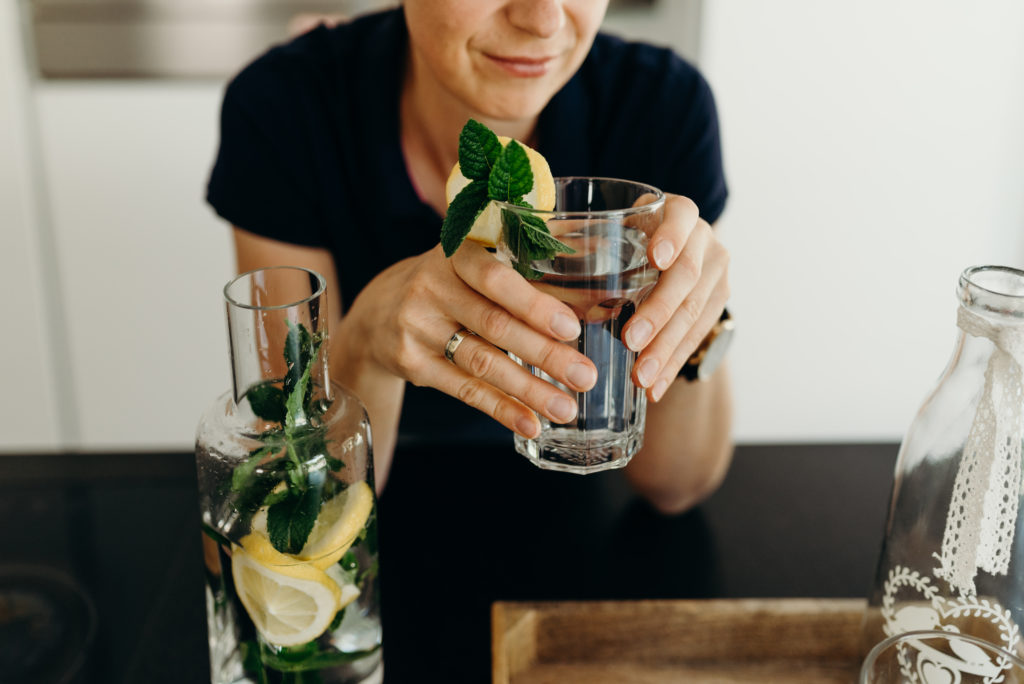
(703,362)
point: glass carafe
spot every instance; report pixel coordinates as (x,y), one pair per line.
(287,498)
(953,558)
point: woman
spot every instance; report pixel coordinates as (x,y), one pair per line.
(334,153)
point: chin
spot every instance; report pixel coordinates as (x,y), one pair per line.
(513,106)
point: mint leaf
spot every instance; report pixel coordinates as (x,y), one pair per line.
(296,354)
(252,662)
(289,522)
(528,238)
(275,497)
(314,661)
(479,148)
(267,402)
(463,210)
(242,472)
(336,622)
(303,347)
(255,489)
(536,233)
(511,177)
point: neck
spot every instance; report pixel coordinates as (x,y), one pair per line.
(431,120)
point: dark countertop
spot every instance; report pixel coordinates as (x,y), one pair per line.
(460,528)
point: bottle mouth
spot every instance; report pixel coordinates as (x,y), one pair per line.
(993,290)
(274,288)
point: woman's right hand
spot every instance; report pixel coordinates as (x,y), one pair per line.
(404,318)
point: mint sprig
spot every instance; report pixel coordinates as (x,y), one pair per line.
(292,442)
(502,174)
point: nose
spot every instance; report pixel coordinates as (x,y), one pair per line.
(541,18)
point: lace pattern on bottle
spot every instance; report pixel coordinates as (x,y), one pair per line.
(981,521)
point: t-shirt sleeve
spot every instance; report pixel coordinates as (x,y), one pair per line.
(658,122)
(262,180)
(695,152)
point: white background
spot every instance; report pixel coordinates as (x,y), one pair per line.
(874,149)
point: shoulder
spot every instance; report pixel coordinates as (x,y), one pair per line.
(318,60)
(652,117)
(615,68)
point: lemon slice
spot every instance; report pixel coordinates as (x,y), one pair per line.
(487,227)
(336,527)
(291,604)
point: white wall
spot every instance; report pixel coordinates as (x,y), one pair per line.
(874,149)
(142,260)
(29,416)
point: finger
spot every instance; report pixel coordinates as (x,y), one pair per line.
(689,344)
(483,396)
(502,285)
(683,330)
(505,331)
(670,291)
(689,340)
(482,360)
(667,242)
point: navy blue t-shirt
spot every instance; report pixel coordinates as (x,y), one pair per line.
(310,152)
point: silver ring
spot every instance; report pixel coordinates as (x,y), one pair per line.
(454,341)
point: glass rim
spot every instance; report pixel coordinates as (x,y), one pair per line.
(922,634)
(966,279)
(320,290)
(548,214)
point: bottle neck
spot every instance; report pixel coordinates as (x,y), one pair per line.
(277,330)
(992,309)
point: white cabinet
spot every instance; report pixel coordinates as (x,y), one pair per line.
(142,260)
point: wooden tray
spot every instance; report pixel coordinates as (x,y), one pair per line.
(649,642)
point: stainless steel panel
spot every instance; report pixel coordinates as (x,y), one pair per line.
(165,38)
(215,38)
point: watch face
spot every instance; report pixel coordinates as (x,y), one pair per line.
(715,353)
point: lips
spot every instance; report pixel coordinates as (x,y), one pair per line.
(523,67)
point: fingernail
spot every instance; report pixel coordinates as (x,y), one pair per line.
(638,333)
(659,389)
(663,253)
(527,427)
(646,372)
(565,326)
(581,376)
(562,408)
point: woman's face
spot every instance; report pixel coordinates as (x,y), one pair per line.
(503,59)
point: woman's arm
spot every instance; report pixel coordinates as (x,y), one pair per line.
(687,443)
(379,391)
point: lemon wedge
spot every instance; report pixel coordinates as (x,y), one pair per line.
(289,604)
(349,592)
(487,227)
(337,526)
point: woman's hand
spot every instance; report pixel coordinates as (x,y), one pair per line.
(405,317)
(687,300)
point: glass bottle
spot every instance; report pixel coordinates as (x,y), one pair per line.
(286,492)
(952,558)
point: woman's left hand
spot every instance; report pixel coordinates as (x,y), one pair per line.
(685,303)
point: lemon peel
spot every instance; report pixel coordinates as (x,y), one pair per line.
(337,525)
(487,228)
(289,604)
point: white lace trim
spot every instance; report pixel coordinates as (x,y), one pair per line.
(982,515)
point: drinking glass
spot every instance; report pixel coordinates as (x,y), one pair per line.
(939,657)
(608,223)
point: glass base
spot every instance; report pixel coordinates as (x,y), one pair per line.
(581,451)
